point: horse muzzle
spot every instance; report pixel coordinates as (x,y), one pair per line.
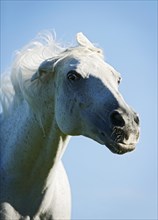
(120,134)
(125,131)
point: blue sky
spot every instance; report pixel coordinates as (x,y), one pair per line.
(104,185)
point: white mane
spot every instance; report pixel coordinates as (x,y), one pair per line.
(26,62)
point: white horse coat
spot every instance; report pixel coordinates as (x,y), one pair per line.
(50,95)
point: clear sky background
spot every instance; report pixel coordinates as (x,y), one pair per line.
(104,185)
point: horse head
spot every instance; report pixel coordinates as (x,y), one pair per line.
(87,98)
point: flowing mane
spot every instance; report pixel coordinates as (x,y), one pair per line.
(25,63)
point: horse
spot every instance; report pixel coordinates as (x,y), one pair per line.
(49,94)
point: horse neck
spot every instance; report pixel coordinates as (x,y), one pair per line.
(34,150)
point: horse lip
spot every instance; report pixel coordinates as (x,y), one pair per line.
(120,148)
(117,147)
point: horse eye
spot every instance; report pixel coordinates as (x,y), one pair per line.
(73,75)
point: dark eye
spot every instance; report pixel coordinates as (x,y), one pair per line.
(73,75)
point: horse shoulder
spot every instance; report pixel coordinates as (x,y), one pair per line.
(59,195)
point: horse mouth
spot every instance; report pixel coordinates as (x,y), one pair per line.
(120,148)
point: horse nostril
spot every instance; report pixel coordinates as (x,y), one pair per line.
(136,119)
(117,119)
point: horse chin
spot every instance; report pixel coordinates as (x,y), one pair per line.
(120,148)
(114,147)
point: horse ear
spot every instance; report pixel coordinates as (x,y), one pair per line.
(83,40)
(44,69)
